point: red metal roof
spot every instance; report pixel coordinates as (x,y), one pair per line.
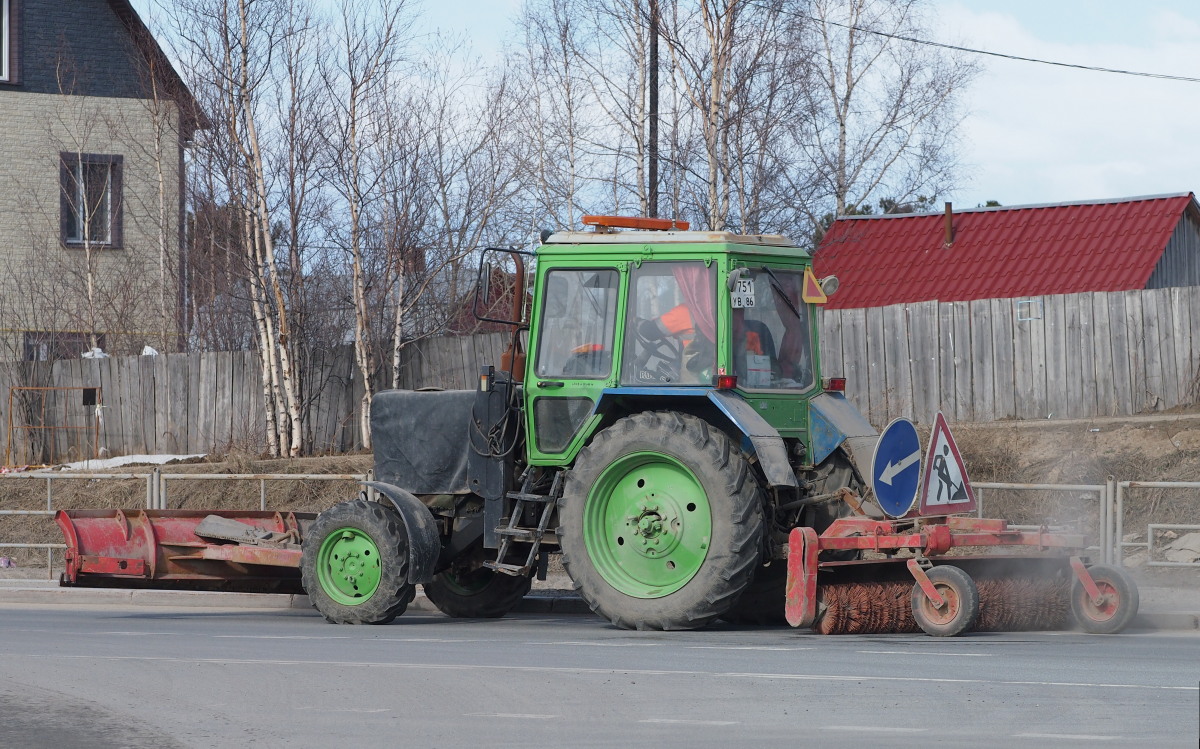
(998,252)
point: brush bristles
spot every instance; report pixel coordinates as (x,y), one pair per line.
(1005,605)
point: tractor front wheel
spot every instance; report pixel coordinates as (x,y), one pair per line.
(661,522)
(354,564)
(478,594)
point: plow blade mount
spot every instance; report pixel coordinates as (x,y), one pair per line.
(184,549)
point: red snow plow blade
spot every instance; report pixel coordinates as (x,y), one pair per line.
(245,551)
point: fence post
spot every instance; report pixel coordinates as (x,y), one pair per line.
(262,494)
(1106,515)
(161,483)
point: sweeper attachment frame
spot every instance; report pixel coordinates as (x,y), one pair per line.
(243,551)
(920,579)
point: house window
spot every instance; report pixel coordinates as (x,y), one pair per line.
(91,200)
(49,345)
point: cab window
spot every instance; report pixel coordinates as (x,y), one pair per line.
(671,325)
(772,339)
(579,315)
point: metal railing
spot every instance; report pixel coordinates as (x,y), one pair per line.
(1151,528)
(1111,497)
(1105,493)
(156,492)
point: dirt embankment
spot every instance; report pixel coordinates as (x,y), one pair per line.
(1160,447)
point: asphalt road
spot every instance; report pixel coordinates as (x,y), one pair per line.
(76,676)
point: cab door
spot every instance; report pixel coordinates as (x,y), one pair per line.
(574,346)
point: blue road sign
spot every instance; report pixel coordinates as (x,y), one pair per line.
(896,467)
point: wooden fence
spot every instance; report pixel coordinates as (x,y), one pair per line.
(1075,356)
(1051,357)
(205,402)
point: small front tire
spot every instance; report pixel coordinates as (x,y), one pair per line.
(354,564)
(1118,608)
(961,607)
(478,594)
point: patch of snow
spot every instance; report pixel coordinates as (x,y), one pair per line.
(124,460)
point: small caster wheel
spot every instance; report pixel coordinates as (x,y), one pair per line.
(961,607)
(1118,604)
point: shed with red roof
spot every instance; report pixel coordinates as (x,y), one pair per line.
(1013,251)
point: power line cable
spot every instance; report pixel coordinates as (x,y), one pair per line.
(969,50)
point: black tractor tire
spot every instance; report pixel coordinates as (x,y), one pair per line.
(373,525)
(763,602)
(961,608)
(1117,612)
(734,500)
(479,594)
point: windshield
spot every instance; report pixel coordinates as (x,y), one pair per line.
(772,340)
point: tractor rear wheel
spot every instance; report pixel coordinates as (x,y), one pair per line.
(478,594)
(661,522)
(354,564)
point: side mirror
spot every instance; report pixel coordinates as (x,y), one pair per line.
(500,287)
(734,276)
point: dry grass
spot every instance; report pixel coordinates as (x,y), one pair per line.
(130,494)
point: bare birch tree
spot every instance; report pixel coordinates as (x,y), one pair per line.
(886,111)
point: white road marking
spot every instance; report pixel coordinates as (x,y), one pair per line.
(530,716)
(741,647)
(874,729)
(1070,736)
(600,644)
(424,639)
(280,637)
(683,722)
(325,709)
(920,652)
(570,670)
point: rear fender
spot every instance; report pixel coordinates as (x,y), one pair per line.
(424,541)
(833,420)
(758,437)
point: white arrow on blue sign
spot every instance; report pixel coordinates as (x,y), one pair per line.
(896,467)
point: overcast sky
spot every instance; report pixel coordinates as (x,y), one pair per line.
(1032,133)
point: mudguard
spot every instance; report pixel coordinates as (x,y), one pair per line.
(424,541)
(768,445)
(832,420)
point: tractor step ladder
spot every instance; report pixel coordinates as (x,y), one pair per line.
(513,531)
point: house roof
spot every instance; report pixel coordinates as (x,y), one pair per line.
(996,253)
(156,58)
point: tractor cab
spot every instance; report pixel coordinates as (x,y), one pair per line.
(642,313)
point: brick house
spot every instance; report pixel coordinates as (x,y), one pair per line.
(96,122)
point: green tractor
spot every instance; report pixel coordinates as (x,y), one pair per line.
(670,428)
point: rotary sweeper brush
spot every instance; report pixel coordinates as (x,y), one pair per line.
(674,438)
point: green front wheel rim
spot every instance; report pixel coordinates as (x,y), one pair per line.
(348,566)
(647,525)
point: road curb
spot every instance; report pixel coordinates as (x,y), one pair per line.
(1167,620)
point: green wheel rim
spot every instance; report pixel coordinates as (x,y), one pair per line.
(647,525)
(348,566)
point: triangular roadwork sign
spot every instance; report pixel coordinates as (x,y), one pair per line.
(945,490)
(813,293)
